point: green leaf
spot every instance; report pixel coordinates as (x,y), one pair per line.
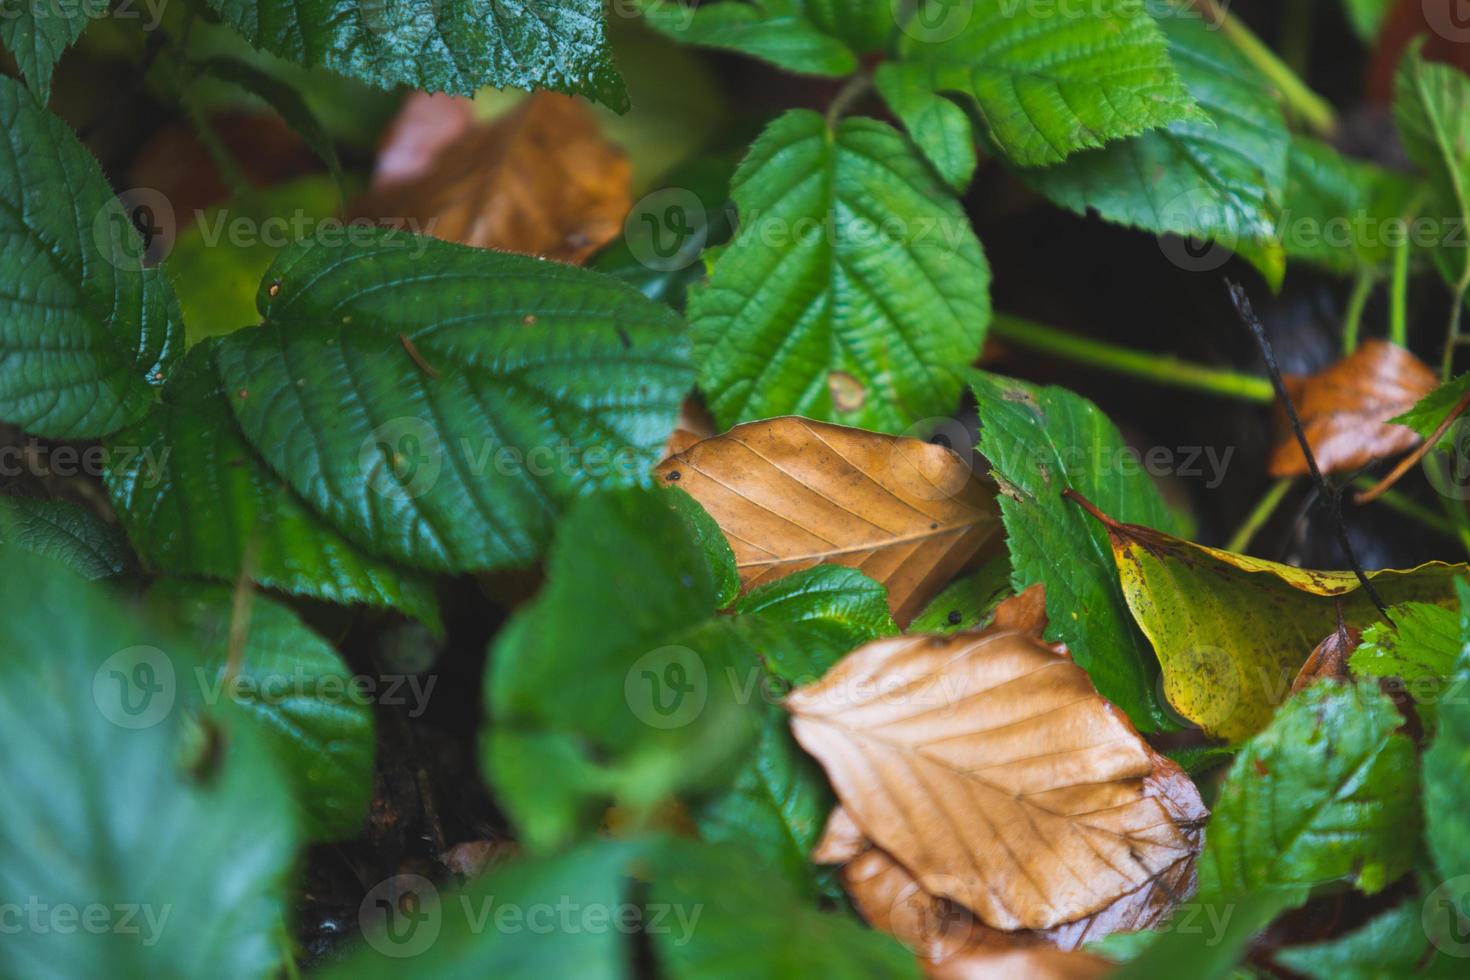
(36,32)
(440,405)
(1424,646)
(1041,441)
(1327,791)
(777,806)
(196,500)
(1337,209)
(854,291)
(778,31)
(287,102)
(1432,108)
(1391,945)
(719,557)
(1220,174)
(555,916)
(458,46)
(865,25)
(658,681)
(969,602)
(752,925)
(936,124)
(98,813)
(1447,775)
(1366,17)
(834,594)
(1052,79)
(66,533)
(800,626)
(1434,408)
(293,688)
(88,332)
(1232,632)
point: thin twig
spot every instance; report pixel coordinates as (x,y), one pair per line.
(1329,493)
(1407,463)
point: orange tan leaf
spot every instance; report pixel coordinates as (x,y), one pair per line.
(990,768)
(540,180)
(1345,409)
(790,493)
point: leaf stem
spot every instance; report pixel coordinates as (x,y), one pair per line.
(1161,368)
(1398,295)
(1313,110)
(1260,514)
(1396,501)
(855,88)
(1352,318)
(1452,335)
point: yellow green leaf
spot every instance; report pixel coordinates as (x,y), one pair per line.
(1231,631)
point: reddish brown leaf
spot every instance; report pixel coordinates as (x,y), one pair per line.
(1329,658)
(540,180)
(1345,409)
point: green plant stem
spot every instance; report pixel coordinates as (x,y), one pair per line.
(1155,367)
(1452,335)
(1260,514)
(1310,107)
(1401,504)
(855,88)
(1296,33)
(1352,318)
(1398,295)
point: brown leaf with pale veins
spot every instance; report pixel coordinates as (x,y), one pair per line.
(540,180)
(1345,409)
(790,493)
(989,767)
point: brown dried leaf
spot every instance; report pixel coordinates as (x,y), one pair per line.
(1329,658)
(1024,612)
(989,767)
(540,180)
(1345,409)
(790,493)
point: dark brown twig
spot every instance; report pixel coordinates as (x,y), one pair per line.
(1330,494)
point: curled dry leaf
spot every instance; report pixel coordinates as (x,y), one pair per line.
(1330,657)
(988,766)
(790,493)
(1345,409)
(540,180)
